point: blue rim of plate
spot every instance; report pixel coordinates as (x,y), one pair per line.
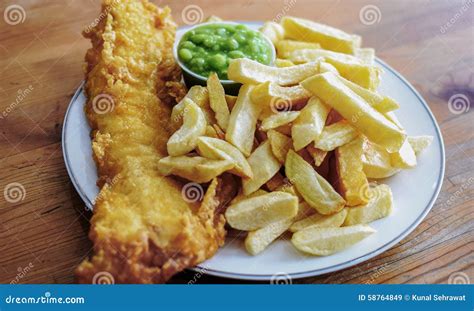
(347,264)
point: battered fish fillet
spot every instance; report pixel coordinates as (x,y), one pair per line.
(142,228)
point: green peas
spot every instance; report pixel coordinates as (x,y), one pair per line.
(218,61)
(236,54)
(188,45)
(232,44)
(211,47)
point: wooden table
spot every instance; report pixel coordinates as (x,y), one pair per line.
(44,236)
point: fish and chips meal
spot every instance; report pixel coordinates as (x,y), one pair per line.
(303,148)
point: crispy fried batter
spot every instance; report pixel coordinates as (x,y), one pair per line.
(142,229)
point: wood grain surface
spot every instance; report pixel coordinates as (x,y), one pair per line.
(43,236)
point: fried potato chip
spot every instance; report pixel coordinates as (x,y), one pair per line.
(231,100)
(217,100)
(200,96)
(275,98)
(325,67)
(309,124)
(264,166)
(283,63)
(257,212)
(211,132)
(419,143)
(348,66)
(243,121)
(327,241)
(184,140)
(242,196)
(328,37)
(317,154)
(256,241)
(380,205)
(379,102)
(350,170)
(353,108)
(376,161)
(197,169)
(320,221)
(278,119)
(393,118)
(219,149)
(212,19)
(315,190)
(405,157)
(335,135)
(247,71)
(280,144)
(273,31)
(286,47)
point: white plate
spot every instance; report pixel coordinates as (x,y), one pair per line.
(414,193)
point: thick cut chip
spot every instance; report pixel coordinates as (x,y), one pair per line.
(325,67)
(328,37)
(376,161)
(243,121)
(358,112)
(211,131)
(327,241)
(335,135)
(316,191)
(419,143)
(317,154)
(264,166)
(366,55)
(197,169)
(280,144)
(212,19)
(241,196)
(248,71)
(217,100)
(257,212)
(283,63)
(348,66)
(380,205)
(275,98)
(194,125)
(273,31)
(310,123)
(404,158)
(321,221)
(286,47)
(279,119)
(256,241)
(219,149)
(200,96)
(379,102)
(350,170)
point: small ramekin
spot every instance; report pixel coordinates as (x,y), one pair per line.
(191,78)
